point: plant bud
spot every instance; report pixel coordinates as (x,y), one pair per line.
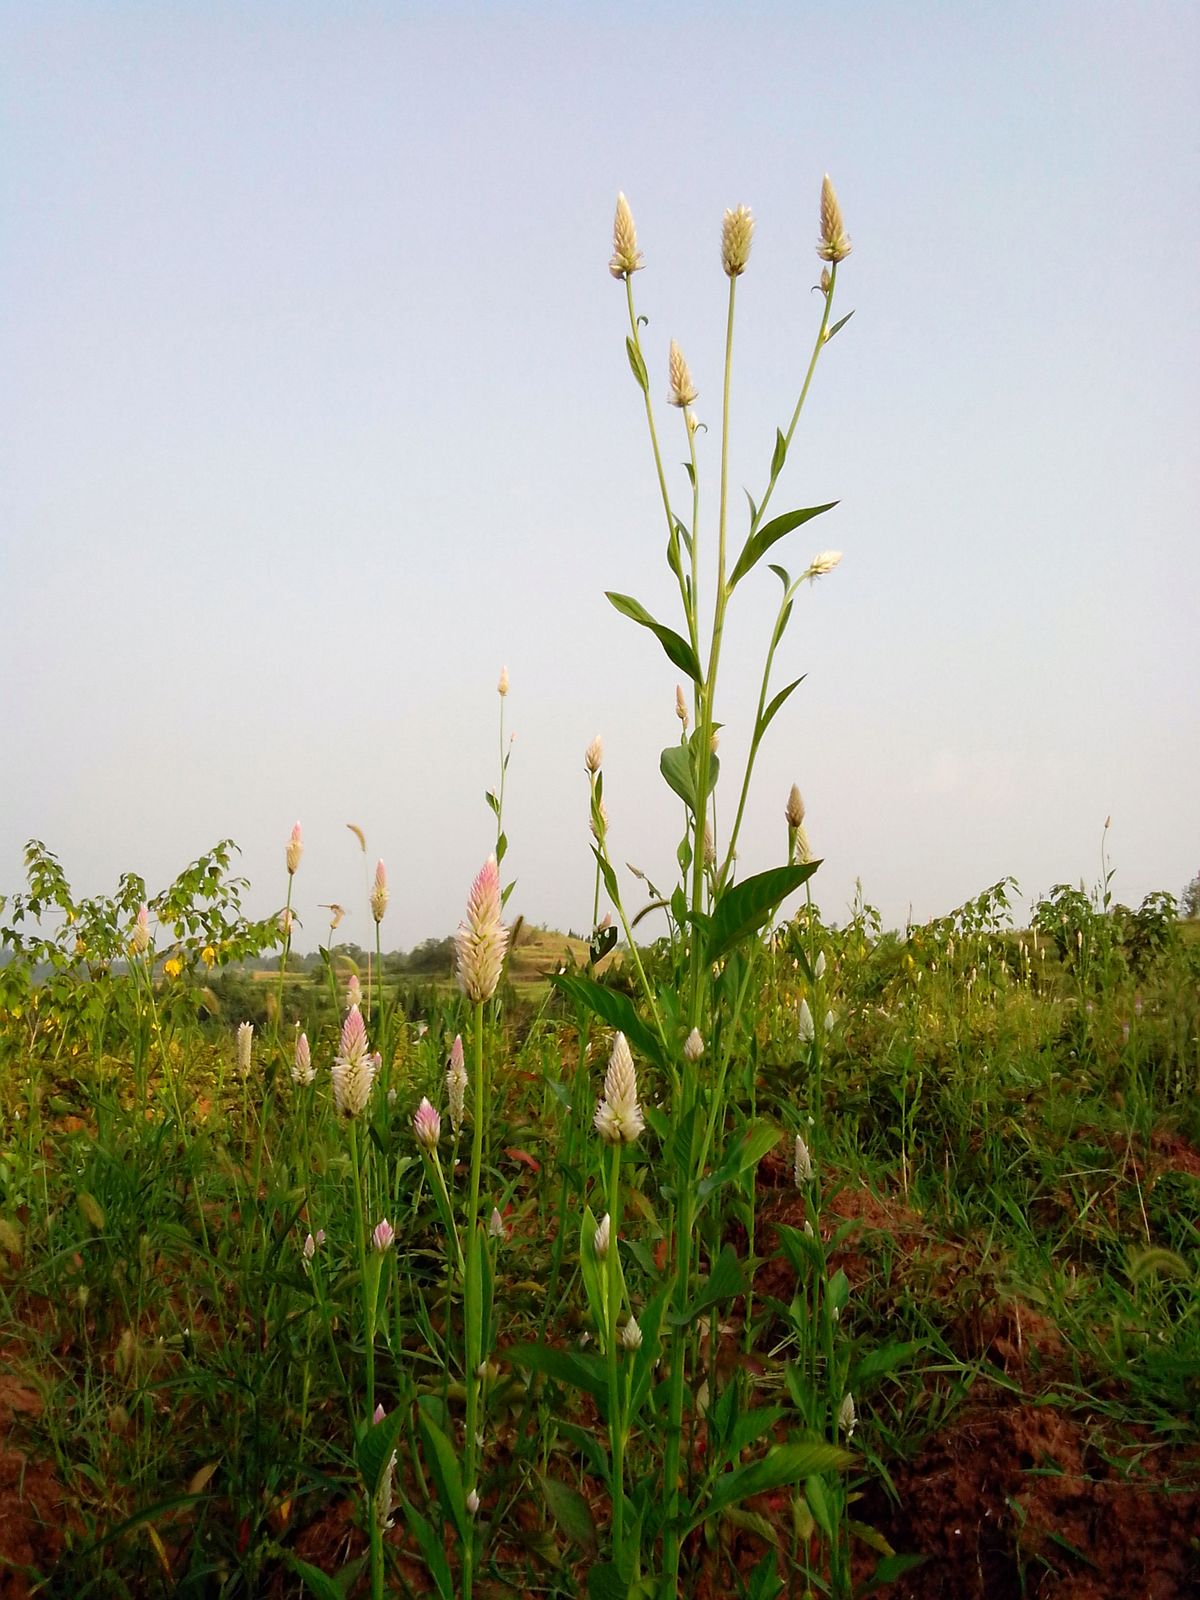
(694,1047)
(502,685)
(794,810)
(681,710)
(295,849)
(379,892)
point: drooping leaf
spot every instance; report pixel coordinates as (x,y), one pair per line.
(315,1581)
(572,1513)
(376,1446)
(745,907)
(446,1470)
(759,543)
(724,1282)
(678,650)
(612,1007)
(572,1367)
(787,1464)
(676,768)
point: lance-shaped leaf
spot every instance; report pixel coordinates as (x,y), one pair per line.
(779,699)
(759,543)
(678,650)
(746,907)
(788,1464)
(576,1370)
(446,1471)
(612,1007)
(838,326)
(637,365)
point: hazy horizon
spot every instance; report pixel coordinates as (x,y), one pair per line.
(318,412)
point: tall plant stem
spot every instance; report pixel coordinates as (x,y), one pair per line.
(616,1418)
(360,1240)
(471,1312)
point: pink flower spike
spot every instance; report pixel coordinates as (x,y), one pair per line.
(380,1413)
(354,1070)
(379,894)
(141,929)
(427,1125)
(354,1035)
(384,1235)
(295,849)
(353,990)
(481,940)
(303,1071)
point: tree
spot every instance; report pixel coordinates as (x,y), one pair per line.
(1189,900)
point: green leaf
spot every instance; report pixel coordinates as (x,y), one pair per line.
(610,878)
(779,455)
(676,767)
(759,543)
(432,1548)
(376,1446)
(316,1581)
(746,907)
(576,1370)
(637,364)
(613,1007)
(884,1360)
(724,1282)
(888,1571)
(572,1513)
(446,1471)
(606,1583)
(818,1503)
(788,1464)
(757,1139)
(779,699)
(678,650)
(838,326)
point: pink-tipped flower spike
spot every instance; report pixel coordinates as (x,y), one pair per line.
(481,940)
(631,1335)
(295,849)
(456,1084)
(380,1413)
(502,683)
(379,893)
(303,1071)
(313,1243)
(427,1125)
(384,1235)
(618,1117)
(694,1048)
(847,1416)
(354,994)
(355,1068)
(140,937)
(496,1225)
(473,1502)
(603,1236)
(245,1043)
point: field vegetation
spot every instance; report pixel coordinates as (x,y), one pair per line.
(732,1249)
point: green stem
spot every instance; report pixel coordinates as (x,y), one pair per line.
(616,1420)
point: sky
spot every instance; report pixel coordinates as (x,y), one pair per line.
(315,412)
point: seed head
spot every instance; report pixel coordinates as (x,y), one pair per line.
(683,391)
(427,1125)
(618,1117)
(626,256)
(482,939)
(383,1237)
(456,1083)
(736,232)
(834,244)
(694,1047)
(502,685)
(794,810)
(295,849)
(593,755)
(381,1504)
(802,1167)
(303,1071)
(379,892)
(245,1044)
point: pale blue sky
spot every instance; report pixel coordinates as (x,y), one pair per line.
(315,411)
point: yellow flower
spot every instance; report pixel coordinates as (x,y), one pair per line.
(208,955)
(173,967)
